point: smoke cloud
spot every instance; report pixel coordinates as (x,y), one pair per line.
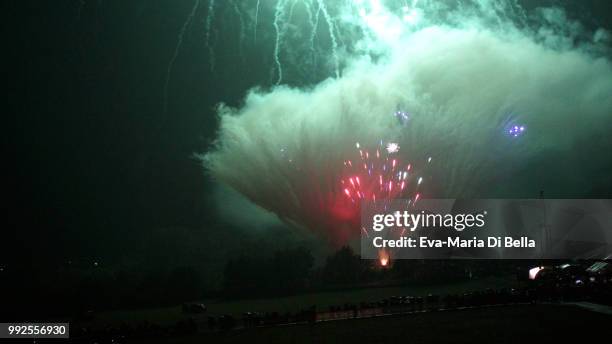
(481,104)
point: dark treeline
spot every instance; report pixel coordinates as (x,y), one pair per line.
(37,293)
(292,271)
(286,272)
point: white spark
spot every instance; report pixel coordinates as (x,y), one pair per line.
(392,147)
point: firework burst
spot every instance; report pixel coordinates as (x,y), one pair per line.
(293,151)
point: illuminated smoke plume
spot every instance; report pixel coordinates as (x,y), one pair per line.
(468,95)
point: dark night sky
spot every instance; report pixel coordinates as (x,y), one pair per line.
(95,170)
(92,164)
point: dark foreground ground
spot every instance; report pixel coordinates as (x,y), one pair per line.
(501,324)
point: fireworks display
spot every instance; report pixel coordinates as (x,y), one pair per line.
(379,175)
(516,130)
(417,96)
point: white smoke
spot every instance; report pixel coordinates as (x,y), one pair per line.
(463,84)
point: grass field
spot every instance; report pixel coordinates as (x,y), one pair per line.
(503,324)
(170,315)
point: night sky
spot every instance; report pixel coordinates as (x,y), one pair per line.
(93,165)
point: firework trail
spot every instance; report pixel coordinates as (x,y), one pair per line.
(308,8)
(467,88)
(330,25)
(256,19)
(209,18)
(290,17)
(277,20)
(242,32)
(313,35)
(179,43)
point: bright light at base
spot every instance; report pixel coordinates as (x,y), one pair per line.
(383,258)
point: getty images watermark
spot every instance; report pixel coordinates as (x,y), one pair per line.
(406,221)
(491,229)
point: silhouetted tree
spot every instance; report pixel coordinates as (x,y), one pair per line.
(343,267)
(287,271)
(291,269)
